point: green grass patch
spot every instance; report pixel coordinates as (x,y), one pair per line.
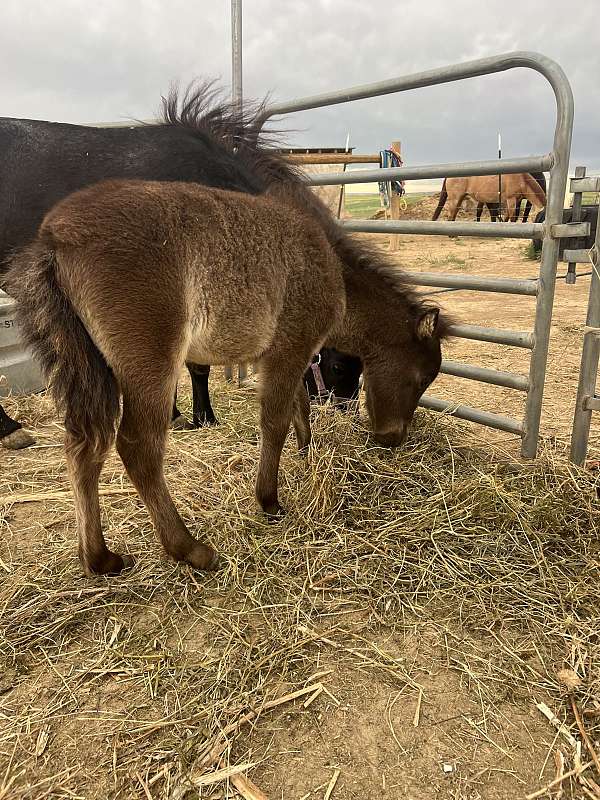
(363,206)
(446,260)
(529,252)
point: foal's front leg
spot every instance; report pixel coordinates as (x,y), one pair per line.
(281,385)
(301,418)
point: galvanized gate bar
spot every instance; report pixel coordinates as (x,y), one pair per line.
(493,335)
(433,77)
(568,230)
(495,376)
(590,357)
(498,421)
(478,283)
(576,256)
(464,169)
(558,163)
(491,230)
(589,184)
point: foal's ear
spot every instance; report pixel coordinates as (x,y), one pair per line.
(428,323)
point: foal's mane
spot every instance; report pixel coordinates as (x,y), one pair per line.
(203,111)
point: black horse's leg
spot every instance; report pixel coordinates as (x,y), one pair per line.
(527,211)
(203,413)
(178,421)
(12,435)
(479,211)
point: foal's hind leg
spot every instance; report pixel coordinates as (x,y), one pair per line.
(84,466)
(178,421)
(141,445)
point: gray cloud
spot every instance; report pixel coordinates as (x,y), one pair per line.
(75,61)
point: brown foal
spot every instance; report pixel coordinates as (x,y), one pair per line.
(127,280)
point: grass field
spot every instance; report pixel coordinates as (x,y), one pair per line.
(365,205)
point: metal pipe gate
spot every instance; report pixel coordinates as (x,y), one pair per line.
(557,162)
(587,399)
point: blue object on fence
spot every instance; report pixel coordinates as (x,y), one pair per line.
(389,158)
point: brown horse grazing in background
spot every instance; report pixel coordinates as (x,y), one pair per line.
(127,280)
(484,189)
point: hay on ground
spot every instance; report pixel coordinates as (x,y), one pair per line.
(148,684)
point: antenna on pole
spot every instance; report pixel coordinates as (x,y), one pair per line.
(499,176)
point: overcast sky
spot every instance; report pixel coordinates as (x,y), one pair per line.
(112,59)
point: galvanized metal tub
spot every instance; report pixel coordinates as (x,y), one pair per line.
(19,373)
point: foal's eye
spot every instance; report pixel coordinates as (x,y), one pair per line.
(337,368)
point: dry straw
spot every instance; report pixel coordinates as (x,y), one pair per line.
(161,677)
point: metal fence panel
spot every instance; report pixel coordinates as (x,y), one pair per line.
(587,401)
(557,162)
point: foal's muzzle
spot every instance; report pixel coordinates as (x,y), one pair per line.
(391,438)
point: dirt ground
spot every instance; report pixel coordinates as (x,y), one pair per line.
(360,649)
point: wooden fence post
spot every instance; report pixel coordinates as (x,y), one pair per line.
(394,209)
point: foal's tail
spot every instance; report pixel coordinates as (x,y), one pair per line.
(442,203)
(82,383)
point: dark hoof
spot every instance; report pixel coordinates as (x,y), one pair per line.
(17,440)
(180,423)
(274,511)
(201,556)
(205,421)
(111,564)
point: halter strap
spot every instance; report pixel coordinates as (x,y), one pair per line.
(317,375)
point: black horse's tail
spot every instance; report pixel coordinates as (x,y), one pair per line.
(442,203)
(82,383)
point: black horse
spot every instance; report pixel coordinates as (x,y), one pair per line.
(43,162)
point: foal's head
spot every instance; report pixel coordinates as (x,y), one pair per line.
(396,334)
(398,368)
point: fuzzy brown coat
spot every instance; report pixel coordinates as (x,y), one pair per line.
(129,279)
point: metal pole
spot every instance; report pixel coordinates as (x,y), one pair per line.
(465,168)
(547,280)
(571,276)
(236,93)
(494,230)
(588,372)
(500,176)
(236,52)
